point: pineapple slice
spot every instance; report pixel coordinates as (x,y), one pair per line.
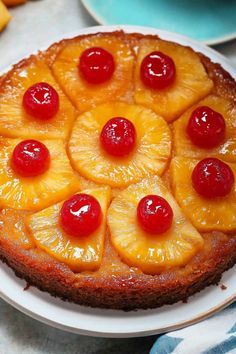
(150,156)
(227,150)
(191,84)
(33,193)
(206,214)
(5,16)
(12,226)
(79,254)
(151,253)
(14,121)
(84,95)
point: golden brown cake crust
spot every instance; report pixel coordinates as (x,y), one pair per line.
(128,288)
(127,292)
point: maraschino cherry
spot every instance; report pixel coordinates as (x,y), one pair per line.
(80,215)
(157,71)
(212,178)
(30,158)
(154,214)
(41,101)
(118,136)
(96,65)
(206,127)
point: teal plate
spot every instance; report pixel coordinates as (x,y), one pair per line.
(210,21)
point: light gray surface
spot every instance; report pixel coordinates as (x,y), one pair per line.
(34,23)
(31,27)
(21,334)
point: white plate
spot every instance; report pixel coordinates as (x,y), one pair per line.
(110,323)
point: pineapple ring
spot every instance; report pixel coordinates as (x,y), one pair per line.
(150,156)
(191,84)
(227,150)
(79,253)
(33,193)
(151,253)
(85,95)
(212,214)
(14,121)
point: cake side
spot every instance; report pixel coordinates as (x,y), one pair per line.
(128,291)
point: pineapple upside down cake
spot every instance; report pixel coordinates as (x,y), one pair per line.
(117,170)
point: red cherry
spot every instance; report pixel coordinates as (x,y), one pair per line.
(118,136)
(30,158)
(206,127)
(41,101)
(212,177)
(157,71)
(80,215)
(154,214)
(96,65)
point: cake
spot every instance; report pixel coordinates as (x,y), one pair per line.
(117,171)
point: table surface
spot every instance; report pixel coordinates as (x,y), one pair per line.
(24,34)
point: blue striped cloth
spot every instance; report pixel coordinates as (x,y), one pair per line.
(215,335)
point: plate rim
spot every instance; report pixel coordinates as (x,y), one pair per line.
(102,21)
(143,333)
(147,331)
